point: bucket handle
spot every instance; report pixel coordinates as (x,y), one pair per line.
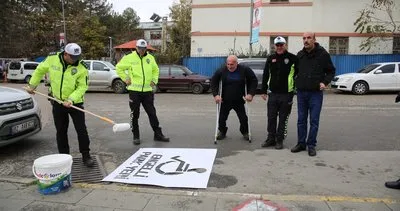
(37,177)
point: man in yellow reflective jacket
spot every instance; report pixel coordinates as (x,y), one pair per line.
(68,83)
(140,72)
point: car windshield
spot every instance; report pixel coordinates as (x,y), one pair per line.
(368,68)
(111,66)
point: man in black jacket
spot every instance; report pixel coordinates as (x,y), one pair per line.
(394,184)
(316,71)
(234,79)
(278,79)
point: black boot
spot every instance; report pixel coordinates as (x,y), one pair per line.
(222,133)
(136,136)
(87,159)
(159,136)
(246,136)
(298,148)
(269,142)
(136,141)
(279,144)
(393,184)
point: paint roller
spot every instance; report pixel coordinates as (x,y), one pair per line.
(117,127)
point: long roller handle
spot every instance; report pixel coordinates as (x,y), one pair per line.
(77,108)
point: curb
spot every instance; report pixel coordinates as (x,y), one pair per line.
(209,194)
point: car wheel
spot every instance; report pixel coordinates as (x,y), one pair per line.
(197,88)
(119,86)
(360,88)
(27,79)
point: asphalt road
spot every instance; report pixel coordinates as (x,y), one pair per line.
(348,123)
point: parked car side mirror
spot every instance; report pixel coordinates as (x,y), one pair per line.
(378,72)
(185,74)
(106,69)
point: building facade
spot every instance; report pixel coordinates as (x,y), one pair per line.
(222,27)
(153,33)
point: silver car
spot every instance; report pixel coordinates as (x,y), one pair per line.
(102,75)
(257,65)
(20,115)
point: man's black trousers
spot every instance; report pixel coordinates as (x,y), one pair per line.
(147,100)
(279,104)
(238,107)
(61,120)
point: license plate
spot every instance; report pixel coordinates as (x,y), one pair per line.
(22,127)
(14,74)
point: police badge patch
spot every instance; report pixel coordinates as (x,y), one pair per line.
(74,71)
(286,61)
(148,61)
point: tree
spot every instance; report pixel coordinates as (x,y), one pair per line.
(31,28)
(180,32)
(378,20)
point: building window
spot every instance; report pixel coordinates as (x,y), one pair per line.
(338,45)
(155,35)
(396,44)
(272,45)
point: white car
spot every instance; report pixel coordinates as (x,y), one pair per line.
(374,77)
(21,70)
(102,75)
(20,115)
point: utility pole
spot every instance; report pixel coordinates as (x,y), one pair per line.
(110,48)
(63,16)
(251,28)
(164,34)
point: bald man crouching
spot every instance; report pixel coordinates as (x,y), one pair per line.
(234,78)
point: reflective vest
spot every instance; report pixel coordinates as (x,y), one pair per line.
(67,82)
(141,71)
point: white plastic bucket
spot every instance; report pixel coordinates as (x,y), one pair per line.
(53,172)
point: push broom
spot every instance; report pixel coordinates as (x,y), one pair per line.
(117,127)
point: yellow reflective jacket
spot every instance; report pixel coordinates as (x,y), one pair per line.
(67,82)
(140,71)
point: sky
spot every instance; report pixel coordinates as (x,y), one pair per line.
(143,8)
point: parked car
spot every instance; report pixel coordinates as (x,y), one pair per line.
(102,75)
(21,70)
(177,77)
(20,116)
(257,65)
(373,77)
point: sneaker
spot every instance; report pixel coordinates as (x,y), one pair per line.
(246,137)
(298,148)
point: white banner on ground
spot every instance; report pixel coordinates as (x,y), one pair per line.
(167,167)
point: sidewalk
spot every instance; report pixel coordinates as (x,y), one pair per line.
(21,194)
